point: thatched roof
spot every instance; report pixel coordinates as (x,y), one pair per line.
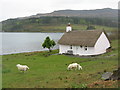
(83,38)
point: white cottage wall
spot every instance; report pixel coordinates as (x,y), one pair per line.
(102,44)
(77,50)
(63,48)
(68,28)
(82,51)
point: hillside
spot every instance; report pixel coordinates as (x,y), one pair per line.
(58,19)
(98,13)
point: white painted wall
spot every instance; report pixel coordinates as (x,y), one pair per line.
(82,51)
(63,48)
(102,44)
(68,28)
(77,50)
(100,47)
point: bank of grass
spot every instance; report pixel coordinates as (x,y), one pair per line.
(49,71)
(62,28)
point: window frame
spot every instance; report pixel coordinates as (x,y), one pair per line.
(85,48)
(81,46)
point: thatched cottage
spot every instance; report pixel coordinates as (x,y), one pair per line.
(83,43)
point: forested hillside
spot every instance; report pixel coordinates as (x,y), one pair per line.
(48,23)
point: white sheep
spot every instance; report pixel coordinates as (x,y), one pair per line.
(74,66)
(22,67)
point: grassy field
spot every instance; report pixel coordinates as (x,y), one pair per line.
(49,71)
(62,28)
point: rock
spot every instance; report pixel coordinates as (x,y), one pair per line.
(112,76)
(106,75)
(115,75)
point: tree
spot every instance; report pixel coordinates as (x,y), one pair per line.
(48,43)
(53,43)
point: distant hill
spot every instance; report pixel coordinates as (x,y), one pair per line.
(37,23)
(98,13)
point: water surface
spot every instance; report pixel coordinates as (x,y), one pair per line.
(25,42)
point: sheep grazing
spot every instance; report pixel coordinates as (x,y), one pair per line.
(22,67)
(74,66)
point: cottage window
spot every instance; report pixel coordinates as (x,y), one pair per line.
(81,46)
(70,46)
(85,47)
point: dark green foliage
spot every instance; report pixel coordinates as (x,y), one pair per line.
(48,44)
(53,43)
(34,24)
(90,27)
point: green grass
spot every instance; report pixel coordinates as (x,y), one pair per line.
(62,28)
(50,71)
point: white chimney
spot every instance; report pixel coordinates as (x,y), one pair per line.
(68,28)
